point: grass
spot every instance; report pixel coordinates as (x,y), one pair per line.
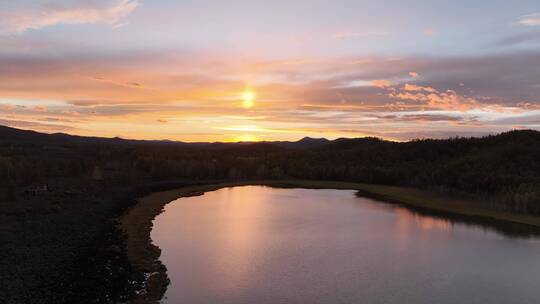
(144,256)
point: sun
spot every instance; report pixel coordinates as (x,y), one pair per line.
(248,98)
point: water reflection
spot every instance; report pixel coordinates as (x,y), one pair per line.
(262,245)
(239,238)
(429,218)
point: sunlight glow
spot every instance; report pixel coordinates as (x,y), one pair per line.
(247,138)
(248,97)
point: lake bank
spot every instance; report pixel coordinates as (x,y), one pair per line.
(144,256)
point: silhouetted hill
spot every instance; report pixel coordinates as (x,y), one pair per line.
(504,167)
(8,134)
(312,142)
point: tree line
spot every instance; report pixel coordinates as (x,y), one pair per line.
(503,170)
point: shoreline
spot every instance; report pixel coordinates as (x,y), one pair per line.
(137,222)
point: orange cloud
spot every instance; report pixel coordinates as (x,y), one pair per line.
(381,83)
(147,96)
(415,88)
(434,99)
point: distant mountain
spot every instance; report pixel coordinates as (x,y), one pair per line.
(311,142)
(304,143)
(8,134)
(516,137)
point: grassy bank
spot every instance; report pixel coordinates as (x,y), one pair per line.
(64,247)
(144,256)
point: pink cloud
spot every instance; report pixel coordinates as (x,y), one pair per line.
(530,20)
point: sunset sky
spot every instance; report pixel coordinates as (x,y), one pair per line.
(200,70)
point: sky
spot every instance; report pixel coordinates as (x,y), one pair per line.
(239,70)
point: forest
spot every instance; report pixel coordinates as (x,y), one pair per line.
(503,169)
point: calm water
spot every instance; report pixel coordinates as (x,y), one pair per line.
(263,245)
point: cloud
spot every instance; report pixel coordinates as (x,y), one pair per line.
(519,39)
(447,100)
(23,18)
(7,107)
(415,88)
(43,127)
(381,83)
(530,20)
(414,74)
(129,84)
(422,117)
(89,80)
(106,92)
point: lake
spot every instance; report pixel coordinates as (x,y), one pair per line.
(256,244)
